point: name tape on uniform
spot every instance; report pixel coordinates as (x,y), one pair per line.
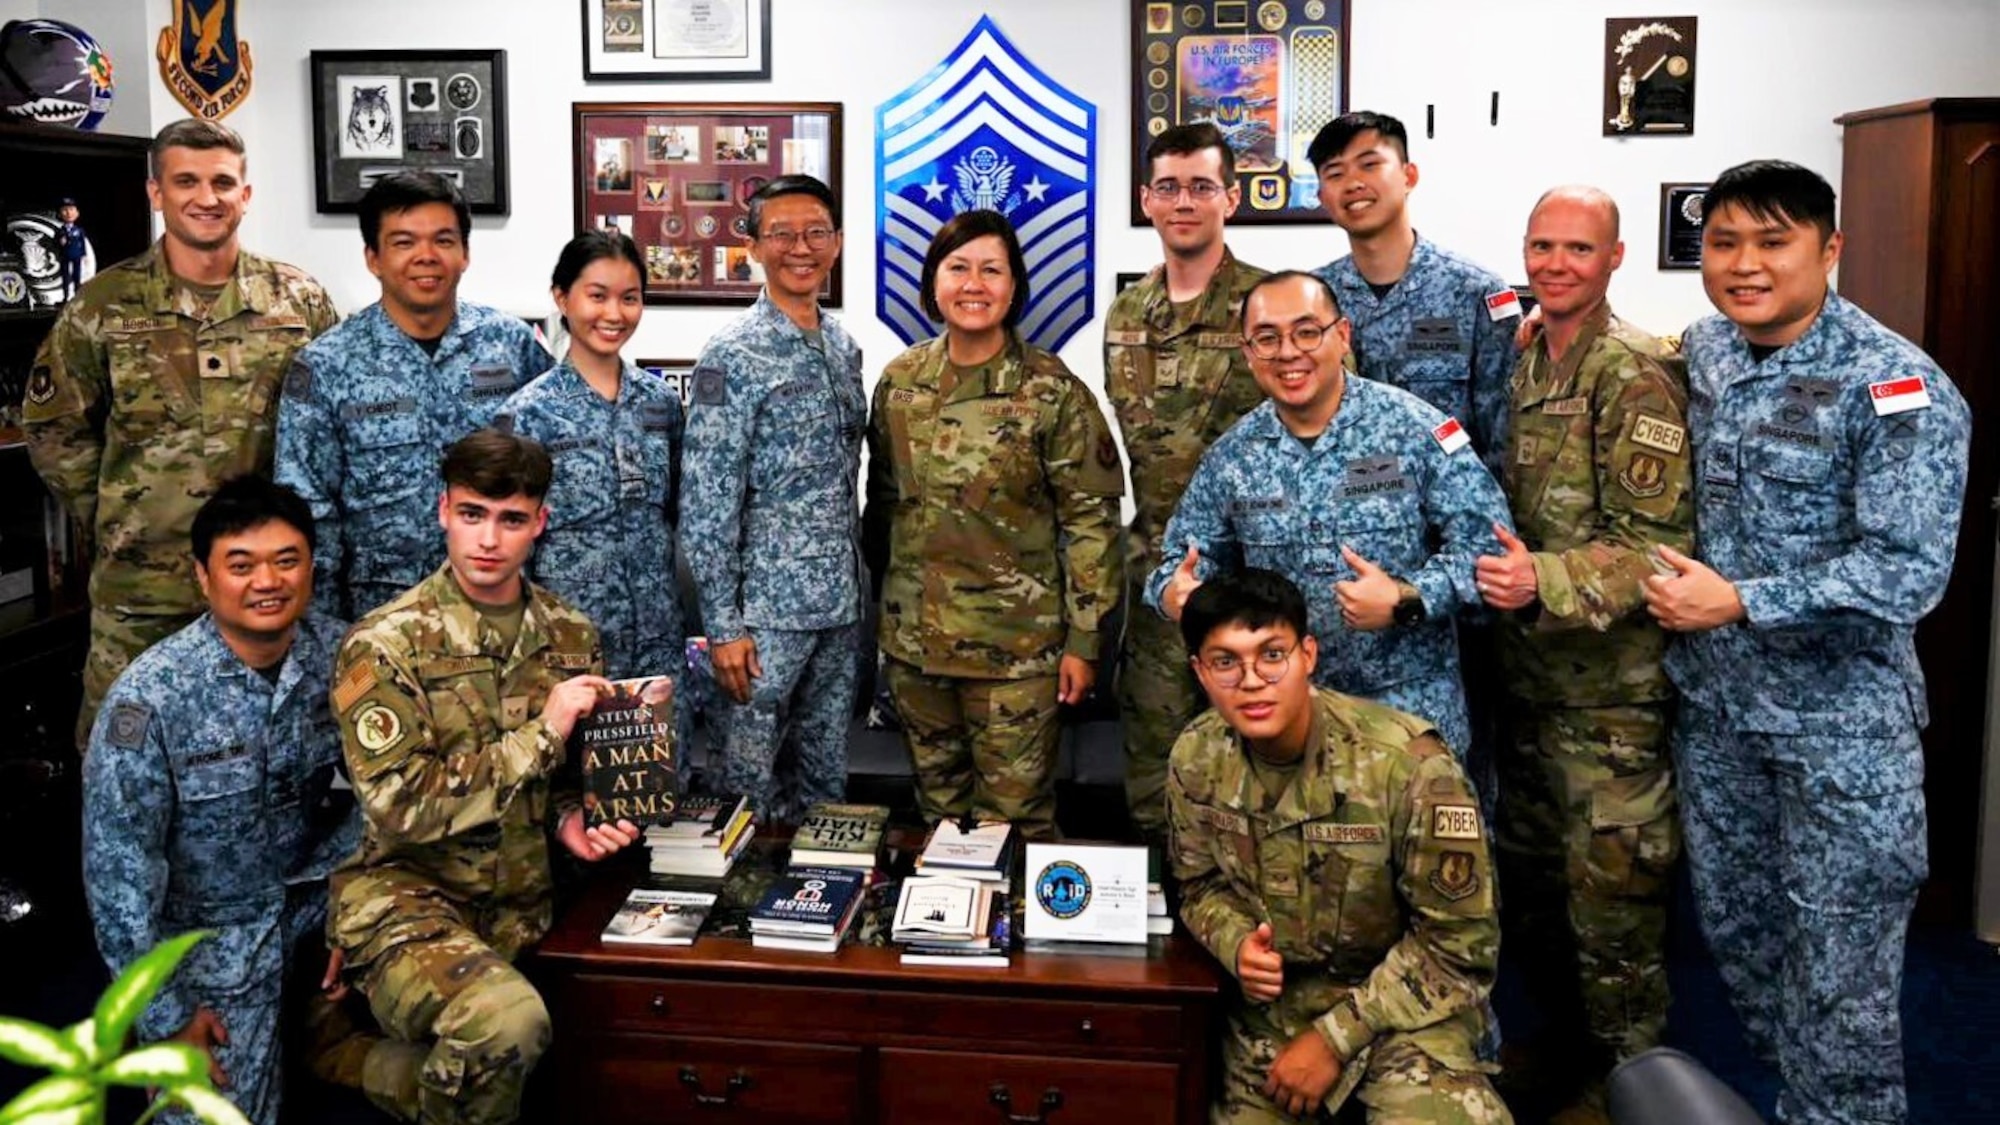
(1658,433)
(1318,833)
(1451,436)
(1501,305)
(1455,822)
(1898,395)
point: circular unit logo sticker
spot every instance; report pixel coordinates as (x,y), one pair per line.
(1063,889)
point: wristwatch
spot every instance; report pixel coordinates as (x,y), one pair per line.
(1410,605)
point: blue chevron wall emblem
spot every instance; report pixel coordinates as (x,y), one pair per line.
(986,129)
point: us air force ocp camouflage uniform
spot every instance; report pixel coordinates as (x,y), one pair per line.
(608,549)
(1597,474)
(1377,480)
(141,402)
(206,806)
(453,766)
(364,423)
(769,528)
(993,495)
(1372,870)
(1177,379)
(1800,770)
(1435,335)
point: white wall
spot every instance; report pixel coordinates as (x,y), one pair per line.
(1773,75)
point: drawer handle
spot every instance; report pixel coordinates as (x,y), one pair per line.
(1003,1099)
(1087,1029)
(659,1004)
(738,1082)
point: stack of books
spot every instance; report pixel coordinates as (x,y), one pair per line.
(808,909)
(659,917)
(1158,920)
(960,922)
(704,838)
(981,852)
(840,835)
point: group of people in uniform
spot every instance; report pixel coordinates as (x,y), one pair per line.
(1685,575)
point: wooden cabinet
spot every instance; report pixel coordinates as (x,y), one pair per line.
(1920,208)
(725,1032)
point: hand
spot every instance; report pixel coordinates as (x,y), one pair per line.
(1368,601)
(1259,967)
(330,985)
(593,844)
(204,1033)
(1693,598)
(1507,581)
(1524,332)
(1074,675)
(736,665)
(571,700)
(1302,1073)
(1182,585)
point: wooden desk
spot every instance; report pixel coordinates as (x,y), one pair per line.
(721,1031)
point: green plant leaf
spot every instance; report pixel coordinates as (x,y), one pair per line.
(134,989)
(161,1064)
(208,1105)
(31,1044)
(61,1091)
(83,1036)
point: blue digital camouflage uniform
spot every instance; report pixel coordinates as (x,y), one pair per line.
(1801,773)
(365,420)
(770,530)
(205,794)
(608,549)
(1434,335)
(1379,481)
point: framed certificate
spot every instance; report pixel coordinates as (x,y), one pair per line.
(1680,226)
(1268,73)
(676,40)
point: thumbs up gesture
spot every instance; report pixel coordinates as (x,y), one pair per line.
(1183,584)
(1692,598)
(1259,967)
(1507,581)
(1368,600)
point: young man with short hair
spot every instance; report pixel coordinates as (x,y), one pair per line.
(455,701)
(1332,857)
(156,384)
(208,802)
(1830,471)
(368,409)
(1177,379)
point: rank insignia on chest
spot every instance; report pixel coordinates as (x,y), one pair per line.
(1455,822)
(1455,878)
(1644,476)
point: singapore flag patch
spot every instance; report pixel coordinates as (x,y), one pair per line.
(1895,396)
(1451,436)
(1503,304)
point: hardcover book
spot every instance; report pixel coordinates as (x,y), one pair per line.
(809,902)
(978,852)
(840,835)
(627,747)
(651,917)
(700,820)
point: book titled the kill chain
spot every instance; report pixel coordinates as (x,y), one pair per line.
(840,835)
(627,747)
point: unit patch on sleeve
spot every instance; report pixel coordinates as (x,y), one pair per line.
(1455,822)
(1658,433)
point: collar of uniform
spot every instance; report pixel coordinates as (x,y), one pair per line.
(772,318)
(465,630)
(241,291)
(223,660)
(1212,309)
(569,383)
(1562,376)
(999,376)
(1806,349)
(1262,422)
(388,332)
(1295,803)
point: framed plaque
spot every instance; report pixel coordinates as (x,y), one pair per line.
(1649,72)
(376,113)
(676,40)
(677,177)
(1680,226)
(1268,73)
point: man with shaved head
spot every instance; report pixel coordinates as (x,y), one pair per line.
(1596,474)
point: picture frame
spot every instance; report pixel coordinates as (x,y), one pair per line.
(1270,73)
(376,113)
(677,373)
(676,40)
(1680,226)
(687,204)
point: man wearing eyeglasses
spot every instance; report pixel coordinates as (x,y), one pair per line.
(1365,495)
(1597,470)
(1331,855)
(1177,378)
(769,511)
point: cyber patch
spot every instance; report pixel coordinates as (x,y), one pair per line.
(1658,433)
(1455,822)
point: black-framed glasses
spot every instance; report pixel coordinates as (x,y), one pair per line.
(1203,191)
(817,238)
(1228,669)
(1266,343)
